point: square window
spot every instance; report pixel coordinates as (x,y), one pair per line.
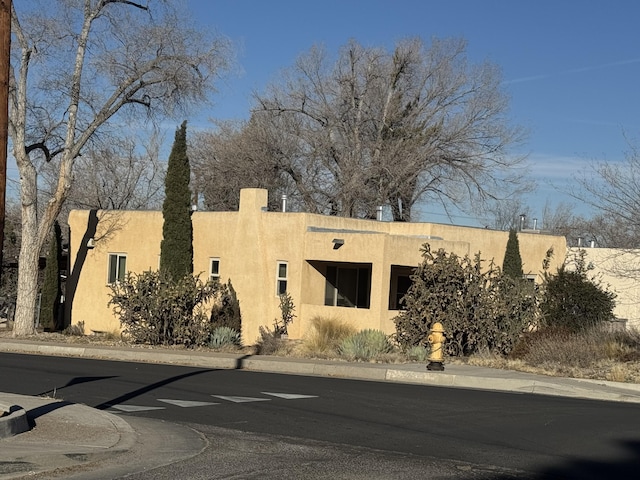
(348,286)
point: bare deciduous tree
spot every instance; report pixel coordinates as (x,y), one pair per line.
(124,174)
(390,128)
(232,157)
(613,190)
(506,214)
(76,67)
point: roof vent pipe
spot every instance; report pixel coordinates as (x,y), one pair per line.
(284,202)
(593,244)
(379,213)
(535,223)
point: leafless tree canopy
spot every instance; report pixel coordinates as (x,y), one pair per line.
(506,214)
(232,157)
(78,69)
(613,190)
(381,128)
(124,174)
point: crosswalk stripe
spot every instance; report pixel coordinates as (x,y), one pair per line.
(135,408)
(186,403)
(241,399)
(289,396)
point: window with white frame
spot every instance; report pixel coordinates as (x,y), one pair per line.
(281,278)
(214,268)
(117,267)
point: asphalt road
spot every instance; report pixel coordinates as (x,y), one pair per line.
(453,433)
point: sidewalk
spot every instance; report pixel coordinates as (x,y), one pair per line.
(68,436)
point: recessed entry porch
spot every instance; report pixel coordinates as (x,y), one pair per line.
(348,284)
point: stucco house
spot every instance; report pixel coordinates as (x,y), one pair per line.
(352,269)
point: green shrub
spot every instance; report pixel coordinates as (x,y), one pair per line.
(481,309)
(365,345)
(176,247)
(155,310)
(223,337)
(512,264)
(50,313)
(226,308)
(573,301)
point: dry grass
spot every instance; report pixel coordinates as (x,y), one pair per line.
(599,355)
(324,337)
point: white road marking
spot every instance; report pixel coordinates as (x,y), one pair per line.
(241,399)
(289,396)
(191,403)
(186,403)
(134,408)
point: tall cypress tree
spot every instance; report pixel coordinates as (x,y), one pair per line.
(176,248)
(51,289)
(512,265)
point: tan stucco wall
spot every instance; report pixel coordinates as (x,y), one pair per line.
(117,232)
(251,242)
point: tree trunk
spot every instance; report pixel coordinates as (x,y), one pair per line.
(27,274)
(27,291)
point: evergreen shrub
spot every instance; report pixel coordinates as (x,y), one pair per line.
(50,294)
(225,311)
(572,300)
(481,309)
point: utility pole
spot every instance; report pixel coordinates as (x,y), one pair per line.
(5,61)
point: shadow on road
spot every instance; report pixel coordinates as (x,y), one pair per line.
(627,466)
(70,383)
(148,388)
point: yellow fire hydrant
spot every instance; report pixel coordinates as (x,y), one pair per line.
(436,339)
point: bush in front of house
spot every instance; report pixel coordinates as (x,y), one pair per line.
(365,345)
(156,310)
(325,335)
(226,308)
(572,300)
(270,342)
(481,309)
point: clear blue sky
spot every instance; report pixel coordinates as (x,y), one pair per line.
(570,67)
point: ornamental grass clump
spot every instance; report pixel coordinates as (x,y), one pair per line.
(326,335)
(417,353)
(365,345)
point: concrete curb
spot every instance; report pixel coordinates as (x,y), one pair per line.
(13,420)
(459,376)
